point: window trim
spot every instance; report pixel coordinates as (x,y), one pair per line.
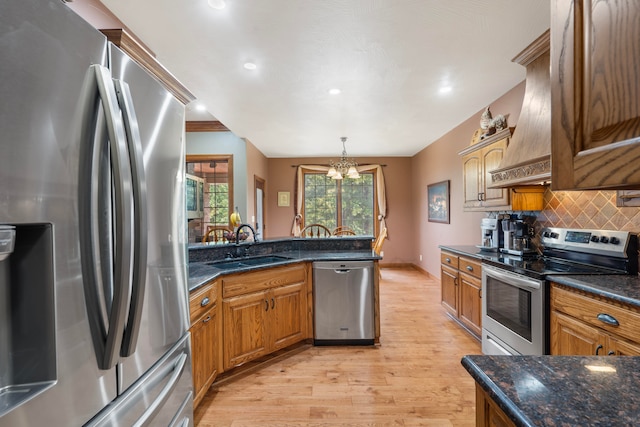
(376,212)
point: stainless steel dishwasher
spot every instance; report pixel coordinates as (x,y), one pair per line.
(343,303)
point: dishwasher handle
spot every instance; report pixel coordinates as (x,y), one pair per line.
(342,270)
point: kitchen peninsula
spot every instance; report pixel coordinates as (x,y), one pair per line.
(252,299)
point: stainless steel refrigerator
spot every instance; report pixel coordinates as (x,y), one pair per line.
(93,285)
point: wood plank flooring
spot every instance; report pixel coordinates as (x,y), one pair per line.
(413,378)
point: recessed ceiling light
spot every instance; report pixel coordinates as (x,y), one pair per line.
(201,107)
(334,91)
(217,4)
(445,89)
(250,66)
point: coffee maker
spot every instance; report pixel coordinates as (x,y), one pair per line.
(491,238)
(517,236)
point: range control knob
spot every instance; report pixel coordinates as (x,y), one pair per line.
(614,241)
(595,239)
(546,234)
(554,235)
(604,239)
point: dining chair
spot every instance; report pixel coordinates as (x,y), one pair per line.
(315,230)
(343,231)
(219,233)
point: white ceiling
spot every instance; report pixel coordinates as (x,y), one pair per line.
(388,57)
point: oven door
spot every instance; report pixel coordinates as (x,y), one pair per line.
(513,313)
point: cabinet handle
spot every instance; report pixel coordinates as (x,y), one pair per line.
(480,293)
(273,303)
(455,281)
(448,259)
(598,348)
(266,305)
(469,268)
(205,301)
(611,353)
(207,319)
(608,319)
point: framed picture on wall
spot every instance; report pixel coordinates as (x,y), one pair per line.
(438,199)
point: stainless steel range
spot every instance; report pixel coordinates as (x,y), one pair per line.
(515,307)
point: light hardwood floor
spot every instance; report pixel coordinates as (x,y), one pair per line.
(413,378)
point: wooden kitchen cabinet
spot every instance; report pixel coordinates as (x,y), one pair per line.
(577,329)
(488,413)
(477,162)
(205,338)
(595,126)
(263,311)
(461,284)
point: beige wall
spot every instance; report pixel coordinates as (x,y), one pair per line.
(398,247)
(257,165)
(439,162)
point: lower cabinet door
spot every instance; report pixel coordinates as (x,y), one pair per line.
(449,282)
(245,328)
(470,308)
(288,315)
(205,351)
(570,337)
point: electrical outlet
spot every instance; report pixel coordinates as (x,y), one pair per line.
(420,257)
(382,254)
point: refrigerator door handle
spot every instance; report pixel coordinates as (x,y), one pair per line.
(136,160)
(122,219)
(165,393)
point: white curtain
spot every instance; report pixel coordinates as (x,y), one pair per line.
(299,194)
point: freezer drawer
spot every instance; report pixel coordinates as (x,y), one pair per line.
(343,301)
(162,397)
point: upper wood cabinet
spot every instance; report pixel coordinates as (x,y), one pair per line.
(594,94)
(477,162)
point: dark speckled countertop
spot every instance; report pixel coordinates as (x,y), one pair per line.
(561,390)
(203,272)
(564,390)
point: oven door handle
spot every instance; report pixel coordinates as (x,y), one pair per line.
(512,279)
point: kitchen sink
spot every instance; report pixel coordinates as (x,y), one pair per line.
(229,264)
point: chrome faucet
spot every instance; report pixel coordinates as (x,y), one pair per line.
(240,227)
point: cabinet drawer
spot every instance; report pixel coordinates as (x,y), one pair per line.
(244,283)
(449,259)
(202,300)
(595,311)
(470,266)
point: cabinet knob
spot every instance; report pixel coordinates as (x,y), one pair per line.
(448,259)
(608,319)
(469,268)
(205,301)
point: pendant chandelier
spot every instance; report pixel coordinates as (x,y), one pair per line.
(343,167)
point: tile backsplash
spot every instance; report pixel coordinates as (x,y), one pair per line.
(587,209)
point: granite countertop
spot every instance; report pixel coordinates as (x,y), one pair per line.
(561,390)
(473,252)
(203,272)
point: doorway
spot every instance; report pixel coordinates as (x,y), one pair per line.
(259,199)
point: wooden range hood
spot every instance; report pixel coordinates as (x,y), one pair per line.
(527,159)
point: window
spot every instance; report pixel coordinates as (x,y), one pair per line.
(217,171)
(347,202)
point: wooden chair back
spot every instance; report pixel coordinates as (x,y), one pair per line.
(377,245)
(315,230)
(343,231)
(216,233)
